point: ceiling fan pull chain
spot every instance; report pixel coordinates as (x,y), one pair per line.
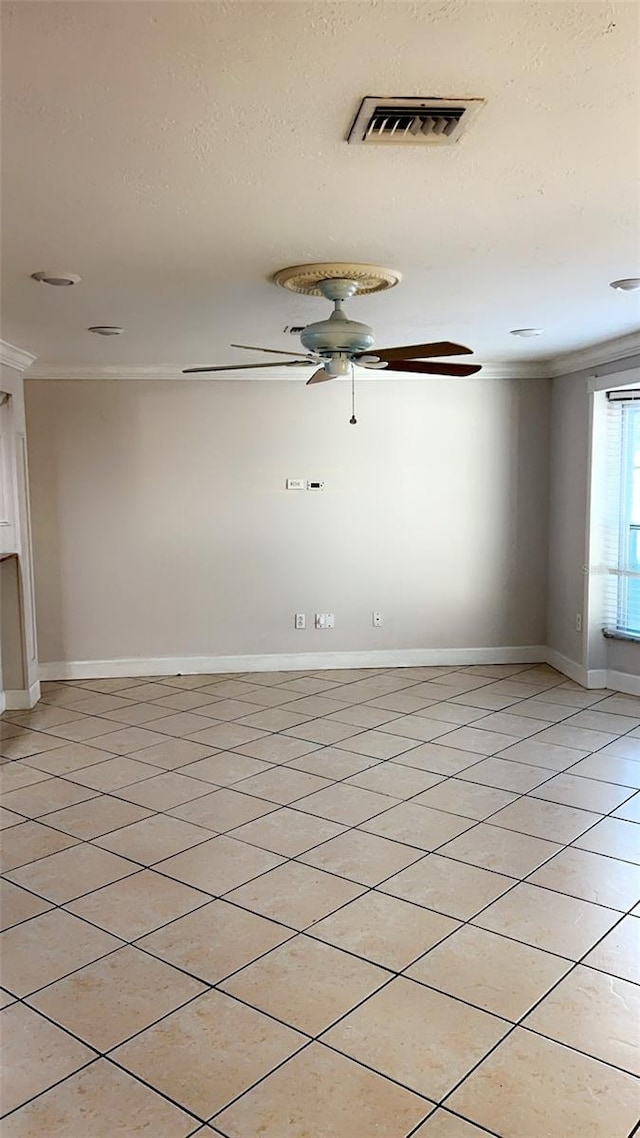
(353,419)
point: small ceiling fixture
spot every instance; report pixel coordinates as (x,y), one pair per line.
(525,332)
(106,330)
(627,284)
(59,280)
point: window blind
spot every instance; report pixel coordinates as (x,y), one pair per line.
(621,543)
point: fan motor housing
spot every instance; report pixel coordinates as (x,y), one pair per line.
(337,334)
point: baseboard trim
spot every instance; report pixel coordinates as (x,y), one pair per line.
(624,682)
(22,699)
(569,668)
(318,661)
(594,677)
(289,662)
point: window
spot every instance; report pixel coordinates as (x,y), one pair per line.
(623,607)
(629,539)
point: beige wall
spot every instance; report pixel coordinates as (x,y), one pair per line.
(162,526)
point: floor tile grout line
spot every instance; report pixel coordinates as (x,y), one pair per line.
(317,1039)
(97,1058)
(307,1043)
(57,1083)
(586,809)
(457,1117)
(520,1022)
(25,997)
(104,1053)
(571,1046)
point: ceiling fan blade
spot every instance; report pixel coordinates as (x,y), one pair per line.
(247,367)
(319,376)
(423,351)
(435,368)
(273,351)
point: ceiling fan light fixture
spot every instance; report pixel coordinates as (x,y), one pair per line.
(626,284)
(106,330)
(339,344)
(525,333)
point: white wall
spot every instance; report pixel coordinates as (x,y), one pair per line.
(162,526)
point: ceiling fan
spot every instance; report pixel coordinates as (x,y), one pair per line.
(338,343)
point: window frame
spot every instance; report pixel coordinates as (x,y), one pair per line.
(625,622)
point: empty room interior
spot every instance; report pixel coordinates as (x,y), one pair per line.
(320,569)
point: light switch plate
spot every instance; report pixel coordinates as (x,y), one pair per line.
(325,620)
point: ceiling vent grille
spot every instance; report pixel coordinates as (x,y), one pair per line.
(423,121)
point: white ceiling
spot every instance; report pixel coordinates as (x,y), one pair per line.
(176,154)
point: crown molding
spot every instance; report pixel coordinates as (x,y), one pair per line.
(517,369)
(121,373)
(523,370)
(596,355)
(14,357)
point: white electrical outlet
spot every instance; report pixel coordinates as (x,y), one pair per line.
(376,619)
(325,620)
(300,620)
(295,484)
(578,622)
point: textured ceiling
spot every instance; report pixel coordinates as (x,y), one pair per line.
(176,154)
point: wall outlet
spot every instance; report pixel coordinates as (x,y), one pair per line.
(376,619)
(300,620)
(578,622)
(295,483)
(325,620)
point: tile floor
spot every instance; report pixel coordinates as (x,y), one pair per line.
(338,904)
